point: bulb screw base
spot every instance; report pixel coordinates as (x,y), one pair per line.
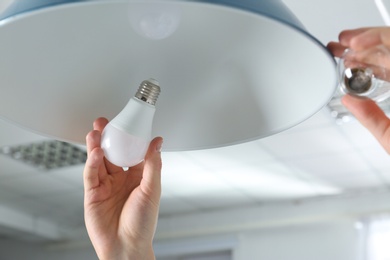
(358,81)
(148,91)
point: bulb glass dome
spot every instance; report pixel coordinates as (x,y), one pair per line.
(121,148)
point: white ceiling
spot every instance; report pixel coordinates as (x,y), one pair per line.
(316,158)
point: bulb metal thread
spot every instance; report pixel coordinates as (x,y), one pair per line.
(359,81)
(148,91)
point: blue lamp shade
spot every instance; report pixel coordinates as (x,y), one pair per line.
(230,71)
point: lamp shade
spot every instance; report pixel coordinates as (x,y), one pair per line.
(229,71)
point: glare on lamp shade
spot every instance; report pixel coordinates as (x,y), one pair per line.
(232,71)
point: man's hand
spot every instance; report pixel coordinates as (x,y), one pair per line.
(366,40)
(121,207)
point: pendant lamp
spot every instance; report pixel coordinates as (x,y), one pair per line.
(229,71)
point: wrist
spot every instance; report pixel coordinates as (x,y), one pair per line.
(129,254)
(141,253)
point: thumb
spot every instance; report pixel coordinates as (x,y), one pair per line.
(151,181)
(371,116)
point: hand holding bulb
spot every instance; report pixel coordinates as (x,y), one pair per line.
(121,207)
(366,41)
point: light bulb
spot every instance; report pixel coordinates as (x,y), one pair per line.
(153,20)
(366,73)
(126,138)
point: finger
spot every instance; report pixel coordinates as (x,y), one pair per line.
(91,169)
(346,36)
(100,123)
(151,181)
(371,116)
(94,137)
(93,140)
(336,49)
(370,38)
(376,58)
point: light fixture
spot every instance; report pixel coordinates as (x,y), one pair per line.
(232,71)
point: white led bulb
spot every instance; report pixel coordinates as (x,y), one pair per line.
(126,138)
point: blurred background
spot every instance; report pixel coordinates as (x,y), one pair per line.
(320,190)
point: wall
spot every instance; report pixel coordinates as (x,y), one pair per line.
(17,250)
(323,241)
(315,229)
(336,240)
(339,239)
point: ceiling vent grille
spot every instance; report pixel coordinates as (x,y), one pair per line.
(46,155)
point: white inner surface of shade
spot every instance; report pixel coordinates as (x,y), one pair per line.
(4,4)
(226,75)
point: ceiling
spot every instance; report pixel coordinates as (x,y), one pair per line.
(319,157)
